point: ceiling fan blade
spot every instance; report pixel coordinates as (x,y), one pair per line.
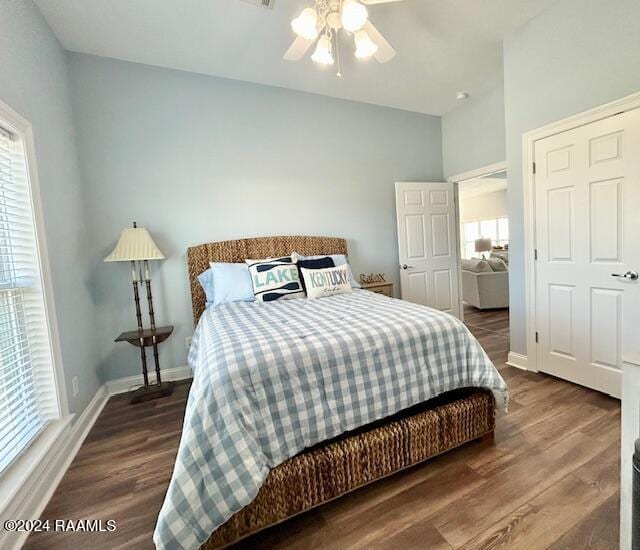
(297,50)
(374,2)
(385,51)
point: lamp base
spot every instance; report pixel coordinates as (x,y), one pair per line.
(152,391)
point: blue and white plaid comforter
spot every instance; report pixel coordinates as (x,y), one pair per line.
(273,378)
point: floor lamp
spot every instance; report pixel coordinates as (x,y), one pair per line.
(137,247)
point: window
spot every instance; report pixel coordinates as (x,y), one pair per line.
(496,230)
(28,396)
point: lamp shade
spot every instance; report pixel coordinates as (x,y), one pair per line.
(135,243)
(483,245)
(364,46)
(322,54)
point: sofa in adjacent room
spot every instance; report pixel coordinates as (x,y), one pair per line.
(485,283)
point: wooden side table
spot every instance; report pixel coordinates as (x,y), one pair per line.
(383,287)
(144,339)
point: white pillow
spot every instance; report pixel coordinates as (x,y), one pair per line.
(475,265)
(327,282)
(338,259)
(497,264)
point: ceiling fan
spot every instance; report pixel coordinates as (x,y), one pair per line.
(320,25)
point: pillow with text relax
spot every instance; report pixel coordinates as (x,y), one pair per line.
(275,279)
(327,282)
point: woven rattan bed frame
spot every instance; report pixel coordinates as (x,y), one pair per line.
(333,468)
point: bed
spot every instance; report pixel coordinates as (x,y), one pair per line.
(297,402)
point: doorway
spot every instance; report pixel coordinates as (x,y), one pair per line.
(484,246)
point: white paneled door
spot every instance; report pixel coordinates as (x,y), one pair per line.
(428,245)
(587,194)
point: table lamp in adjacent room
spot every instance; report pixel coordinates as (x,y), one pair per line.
(483,245)
(137,247)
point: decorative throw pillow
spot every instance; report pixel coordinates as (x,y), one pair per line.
(274,279)
(502,254)
(497,264)
(231,283)
(322,262)
(475,265)
(338,259)
(327,282)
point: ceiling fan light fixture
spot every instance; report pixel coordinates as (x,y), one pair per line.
(354,15)
(364,45)
(322,54)
(306,24)
(333,20)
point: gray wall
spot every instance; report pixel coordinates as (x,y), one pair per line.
(577,55)
(34,82)
(198,159)
(473,133)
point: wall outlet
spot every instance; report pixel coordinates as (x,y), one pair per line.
(75,386)
(188,340)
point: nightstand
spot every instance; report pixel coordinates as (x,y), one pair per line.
(384,287)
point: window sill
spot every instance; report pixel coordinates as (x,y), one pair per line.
(20,477)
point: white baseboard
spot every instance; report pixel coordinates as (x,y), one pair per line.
(34,495)
(517,360)
(122,385)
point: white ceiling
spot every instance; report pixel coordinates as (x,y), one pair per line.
(481,186)
(444,46)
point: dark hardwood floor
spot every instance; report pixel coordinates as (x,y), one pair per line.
(549,480)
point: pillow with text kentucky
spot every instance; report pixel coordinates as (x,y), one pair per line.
(327,282)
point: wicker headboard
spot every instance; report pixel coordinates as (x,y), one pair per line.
(198,257)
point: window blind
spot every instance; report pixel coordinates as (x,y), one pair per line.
(495,229)
(28,396)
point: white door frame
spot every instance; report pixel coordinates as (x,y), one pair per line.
(479,172)
(529,139)
(458,178)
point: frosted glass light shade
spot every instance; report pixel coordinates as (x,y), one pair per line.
(305,25)
(364,45)
(354,15)
(322,54)
(135,243)
(483,245)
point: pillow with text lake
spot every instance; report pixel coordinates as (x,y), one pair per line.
(327,282)
(275,279)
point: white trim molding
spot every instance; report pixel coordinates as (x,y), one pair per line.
(52,456)
(122,385)
(458,178)
(517,360)
(479,172)
(528,158)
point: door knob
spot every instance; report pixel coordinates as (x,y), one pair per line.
(633,275)
(405,266)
